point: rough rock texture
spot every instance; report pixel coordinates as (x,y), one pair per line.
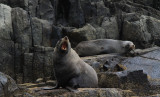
(7,46)
(30,28)
(82,92)
(7,86)
(141,29)
(139,73)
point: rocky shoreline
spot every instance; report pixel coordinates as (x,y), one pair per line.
(119,76)
(29,30)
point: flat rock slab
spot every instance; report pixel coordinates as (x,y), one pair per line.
(149,63)
(82,92)
(7,86)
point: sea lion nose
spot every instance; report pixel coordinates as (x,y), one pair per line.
(66,38)
(133,46)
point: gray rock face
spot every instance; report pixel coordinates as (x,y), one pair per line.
(141,29)
(7,86)
(111,27)
(7,46)
(149,63)
(45,11)
(26,23)
(136,73)
(6,22)
(21,29)
(19,34)
(135,79)
(42,31)
(38,64)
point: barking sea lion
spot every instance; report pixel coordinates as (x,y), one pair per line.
(71,71)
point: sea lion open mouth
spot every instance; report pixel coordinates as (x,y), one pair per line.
(64,46)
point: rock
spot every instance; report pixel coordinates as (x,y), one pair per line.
(139,73)
(151,3)
(153,28)
(70,13)
(51,82)
(22,38)
(42,9)
(143,51)
(82,34)
(6,22)
(56,35)
(105,62)
(111,27)
(156,4)
(144,2)
(94,11)
(21,29)
(75,15)
(38,64)
(7,59)
(39,80)
(41,31)
(142,30)
(146,63)
(124,80)
(31,7)
(136,30)
(7,45)
(89,92)
(7,86)
(45,11)
(100,32)
(37,31)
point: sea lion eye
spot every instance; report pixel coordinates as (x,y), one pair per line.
(127,46)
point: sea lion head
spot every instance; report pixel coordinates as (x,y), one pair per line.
(63,45)
(128,45)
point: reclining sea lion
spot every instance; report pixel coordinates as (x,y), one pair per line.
(103,46)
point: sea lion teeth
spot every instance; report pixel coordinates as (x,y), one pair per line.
(64,46)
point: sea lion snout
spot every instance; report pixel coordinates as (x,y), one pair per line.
(132,47)
(66,38)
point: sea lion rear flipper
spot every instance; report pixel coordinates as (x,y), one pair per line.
(71,89)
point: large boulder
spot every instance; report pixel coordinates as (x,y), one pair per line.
(135,29)
(139,73)
(143,30)
(41,32)
(6,22)
(21,29)
(69,13)
(38,64)
(87,32)
(7,86)
(111,27)
(45,10)
(7,45)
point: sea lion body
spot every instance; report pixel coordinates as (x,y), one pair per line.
(103,46)
(70,70)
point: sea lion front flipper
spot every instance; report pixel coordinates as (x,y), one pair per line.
(71,89)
